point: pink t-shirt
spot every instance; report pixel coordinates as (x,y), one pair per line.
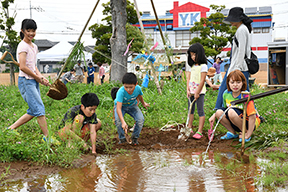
(101,71)
(31,57)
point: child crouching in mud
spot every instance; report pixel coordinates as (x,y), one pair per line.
(126,102)
(232,120)
(81,123)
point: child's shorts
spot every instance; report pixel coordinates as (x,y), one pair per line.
(240,114)
(29,89)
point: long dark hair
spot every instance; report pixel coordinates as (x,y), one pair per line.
(198,49)
(246,21)
(27,24)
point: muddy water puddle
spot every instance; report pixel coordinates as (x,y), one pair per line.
(171,170)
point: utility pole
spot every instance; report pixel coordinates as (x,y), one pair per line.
(39,9)
(30,10)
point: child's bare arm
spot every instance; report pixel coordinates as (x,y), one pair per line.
(93,136)
(140,97)
(120,115)
(187,83)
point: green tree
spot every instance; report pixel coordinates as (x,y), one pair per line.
(214,34)
(10,40)
(103,32)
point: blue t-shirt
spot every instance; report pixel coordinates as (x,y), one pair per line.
(128,100)
(90,70)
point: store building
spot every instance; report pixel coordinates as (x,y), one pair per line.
(175,25)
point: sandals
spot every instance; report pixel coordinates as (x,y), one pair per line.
(197,135)
(246,140)
(229,135)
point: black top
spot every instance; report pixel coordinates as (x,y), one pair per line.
(73,112)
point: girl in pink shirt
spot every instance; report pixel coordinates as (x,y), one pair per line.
(30,77)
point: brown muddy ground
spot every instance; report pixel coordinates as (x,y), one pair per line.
(150,139)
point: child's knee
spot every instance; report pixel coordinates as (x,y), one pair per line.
(140,122)
(63,133)
(218,113)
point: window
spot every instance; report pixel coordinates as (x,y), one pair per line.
(257,30)
(265,30)
(184,37)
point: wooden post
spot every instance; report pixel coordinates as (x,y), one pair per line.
(160,30)
(139,19)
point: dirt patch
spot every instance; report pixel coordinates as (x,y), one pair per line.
(150,139)
(153,139)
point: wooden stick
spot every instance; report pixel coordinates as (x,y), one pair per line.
(59,74)
(160,30)
(244,123)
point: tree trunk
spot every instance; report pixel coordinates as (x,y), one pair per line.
(12,74)
(118,40)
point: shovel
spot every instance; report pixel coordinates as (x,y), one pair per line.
(186,131)
(58,89)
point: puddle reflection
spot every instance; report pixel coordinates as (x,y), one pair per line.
(174,170)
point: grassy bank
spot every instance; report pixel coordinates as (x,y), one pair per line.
(171,106)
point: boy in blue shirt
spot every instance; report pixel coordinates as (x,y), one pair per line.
(126,102)
(90,74)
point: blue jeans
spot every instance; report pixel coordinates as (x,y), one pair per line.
(136,114)
(29,89)
(223,87)
(90,79)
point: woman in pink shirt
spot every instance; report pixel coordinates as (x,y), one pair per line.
(101,72)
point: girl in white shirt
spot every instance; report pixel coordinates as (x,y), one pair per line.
(196,72)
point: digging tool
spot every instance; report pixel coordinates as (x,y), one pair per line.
(60,90)
(58,86)
(13,60)
(128,138)
(186,131)
(242,156)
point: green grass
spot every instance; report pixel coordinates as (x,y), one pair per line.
(170,106)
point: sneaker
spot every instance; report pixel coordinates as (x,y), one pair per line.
(52,140)
(246,140)
(135,141)
(197,135)
(229,135)
(122,141)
